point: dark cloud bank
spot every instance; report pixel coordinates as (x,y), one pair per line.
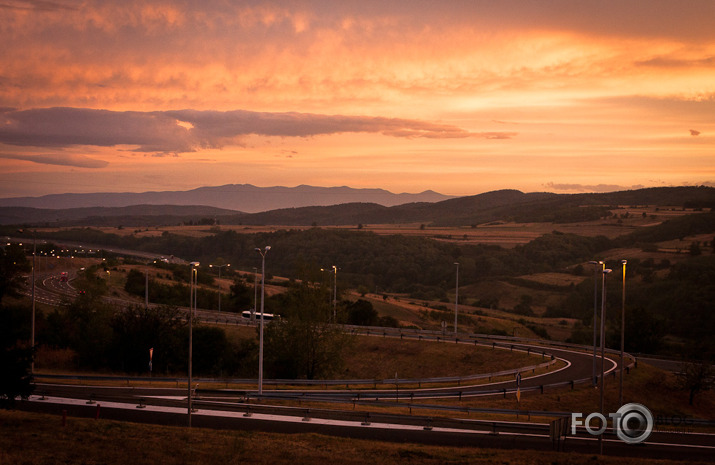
(190,130)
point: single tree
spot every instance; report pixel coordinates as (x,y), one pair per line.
(362,313)
(305,344)
(697,377)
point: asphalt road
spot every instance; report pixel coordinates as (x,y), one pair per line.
(374,426)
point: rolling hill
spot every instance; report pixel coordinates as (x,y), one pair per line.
(502,205)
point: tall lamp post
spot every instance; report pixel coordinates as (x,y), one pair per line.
(32,341)
(32,329)
(146,287)
(334,297)
(596,267)
(456,299)
(219,282)
(263,253)
(193,278)
(335,294)
(623,330)
(603,345)
(255,294)
(146,284)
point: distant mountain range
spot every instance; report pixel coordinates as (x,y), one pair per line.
(349,207)
(244,198)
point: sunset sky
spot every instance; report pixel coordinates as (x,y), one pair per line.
(461,96)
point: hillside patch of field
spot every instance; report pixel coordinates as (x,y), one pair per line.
(384,358)
(554,279)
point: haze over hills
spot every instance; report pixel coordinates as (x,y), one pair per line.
(503,205)
(238,197)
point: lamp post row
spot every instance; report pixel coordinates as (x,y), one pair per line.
(219,282)
(603,344)
(264,251)
(605,271)
(193,280)
(32,328)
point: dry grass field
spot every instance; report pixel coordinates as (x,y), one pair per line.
(374,357)
(383,358)
(504,234)
(37,439)
(419,314)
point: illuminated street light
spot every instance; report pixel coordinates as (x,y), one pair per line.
(623,330)
(32,330)
(263,253)
(335,294)
(255,294)
(594,378)
(603,345)
(193,278)
(456,300)
(219,284)
(146,285)
(335,291)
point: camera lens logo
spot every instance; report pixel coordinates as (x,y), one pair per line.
(633,423)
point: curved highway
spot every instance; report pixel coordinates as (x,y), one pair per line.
(51,289)
(232,409)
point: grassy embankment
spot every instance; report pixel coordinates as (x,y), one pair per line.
(36,439)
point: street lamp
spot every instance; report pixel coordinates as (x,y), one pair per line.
(263,253)
(32,330)
(623,330)
(146,287)
(146,284)
(603,344)
(456,299)
(602,266)
(335,291)
(335,294)
(255,294)
(219,284)
(193,278)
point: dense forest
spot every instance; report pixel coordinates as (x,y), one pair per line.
(392,263)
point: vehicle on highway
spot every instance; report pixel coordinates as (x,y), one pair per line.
(266,316)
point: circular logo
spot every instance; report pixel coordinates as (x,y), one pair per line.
(634,423)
